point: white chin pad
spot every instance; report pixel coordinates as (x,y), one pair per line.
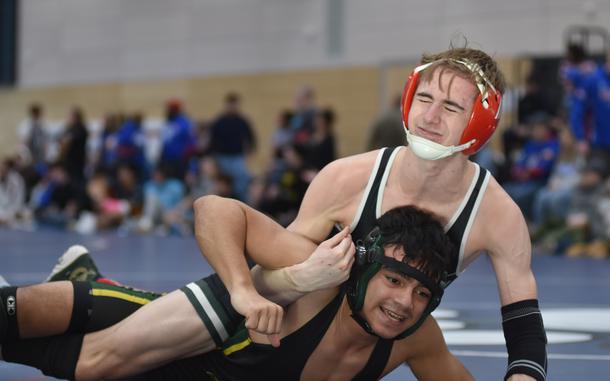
(429,150)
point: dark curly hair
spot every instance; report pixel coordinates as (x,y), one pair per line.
(420,234)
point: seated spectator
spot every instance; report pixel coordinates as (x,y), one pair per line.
(205,179)
(533,167)
(281,199)
(161,195)
(57,200)
(584,223)
(13,212)
(549,204)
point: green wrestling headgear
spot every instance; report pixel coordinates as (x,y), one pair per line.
(410,228)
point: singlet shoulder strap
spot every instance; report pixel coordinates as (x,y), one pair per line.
(368,203)
(377,362)
(461,223)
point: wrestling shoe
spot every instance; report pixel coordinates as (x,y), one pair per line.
(75,264)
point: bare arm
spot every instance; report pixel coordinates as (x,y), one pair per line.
(510,251)
(226,229)
(433,361)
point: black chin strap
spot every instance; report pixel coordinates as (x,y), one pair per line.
(363,323)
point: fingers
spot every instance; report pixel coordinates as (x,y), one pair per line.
(345,244)
(274,339)
(337,238)
(267,320)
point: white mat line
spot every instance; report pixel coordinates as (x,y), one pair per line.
(551,356)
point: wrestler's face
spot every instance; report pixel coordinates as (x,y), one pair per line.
(393,301)
(442,107)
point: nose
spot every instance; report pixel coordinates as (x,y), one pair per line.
(404,298)
(433,114)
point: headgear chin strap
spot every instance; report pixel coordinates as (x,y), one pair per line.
(370,258)
(429,150)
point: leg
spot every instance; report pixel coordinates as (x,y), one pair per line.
(167,329)
(182,324)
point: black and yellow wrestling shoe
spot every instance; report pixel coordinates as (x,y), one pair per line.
(76,265)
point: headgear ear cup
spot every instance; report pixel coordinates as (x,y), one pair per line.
(483,120)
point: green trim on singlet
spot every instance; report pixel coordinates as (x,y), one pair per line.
(237,342)
(216,305)
(124,293)
(203,315)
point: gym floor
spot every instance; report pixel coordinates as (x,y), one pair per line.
(575,295)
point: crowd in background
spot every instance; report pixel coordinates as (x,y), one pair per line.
(554,163)
(110,180)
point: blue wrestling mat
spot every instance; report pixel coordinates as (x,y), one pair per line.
(574,294)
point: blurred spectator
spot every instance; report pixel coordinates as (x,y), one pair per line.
(232,139)
(106,157)
(130,142)
(304,113)
(109,211)
(161,195)
(57,200)
(593,98)
(387,130)
(281,199)
(178,140)
(12,195)
(202,137)
(283,134)
(127,186)
(33,135)
(533,167)
(319,150)
(585,228)
(549,208)
(205,179)
(35,147)
(532,102)
(73,146)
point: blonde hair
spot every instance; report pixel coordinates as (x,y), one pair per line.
(450,60)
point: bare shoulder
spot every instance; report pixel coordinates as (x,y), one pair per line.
(332,193)
(500,221)
(349,172)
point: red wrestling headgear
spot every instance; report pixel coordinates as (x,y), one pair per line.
(485,112)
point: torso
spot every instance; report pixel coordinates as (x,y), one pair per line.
(458,212)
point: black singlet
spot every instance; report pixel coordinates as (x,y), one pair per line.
(243,359)
(458,227)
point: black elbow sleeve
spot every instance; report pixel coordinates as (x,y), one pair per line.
(525,339)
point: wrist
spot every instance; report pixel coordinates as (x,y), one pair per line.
(294,277)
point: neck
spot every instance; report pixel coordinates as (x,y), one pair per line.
(432,178)
(348,332)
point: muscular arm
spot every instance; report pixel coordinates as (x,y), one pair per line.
(227,228)
(509,249)
(432,360)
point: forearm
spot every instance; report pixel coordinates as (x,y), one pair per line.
(220,230)
(276,285)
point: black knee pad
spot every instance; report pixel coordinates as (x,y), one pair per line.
(9,326)
(81,309)
(55,356)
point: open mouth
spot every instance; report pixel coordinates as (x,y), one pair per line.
(393,315)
